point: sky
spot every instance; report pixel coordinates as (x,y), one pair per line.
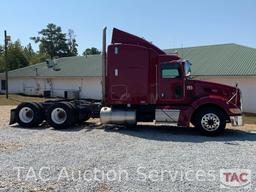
(166,23)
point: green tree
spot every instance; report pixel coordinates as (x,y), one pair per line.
(2,64)
(16,57)
(1,50)
(52,41)
(29,52)
(34,57)
(72,45)
(91,51)
(38,58)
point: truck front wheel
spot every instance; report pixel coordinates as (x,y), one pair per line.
(61,115)
(210,121)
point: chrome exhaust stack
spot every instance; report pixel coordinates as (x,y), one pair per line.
(104,46)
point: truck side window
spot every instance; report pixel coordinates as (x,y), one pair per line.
(170,70)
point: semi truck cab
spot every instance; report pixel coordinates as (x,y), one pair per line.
(147,84)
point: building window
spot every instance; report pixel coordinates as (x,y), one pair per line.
(3,85)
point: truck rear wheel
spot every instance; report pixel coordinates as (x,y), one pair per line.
(210,121)
(61,115)
(29,114)
(85,118)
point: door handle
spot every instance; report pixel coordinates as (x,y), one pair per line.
(116,72)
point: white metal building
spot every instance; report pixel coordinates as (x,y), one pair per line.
(82,74)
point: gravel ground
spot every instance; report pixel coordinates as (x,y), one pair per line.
(5,115)
(92,157)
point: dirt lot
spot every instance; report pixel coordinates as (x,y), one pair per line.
(5,115)
(92,157)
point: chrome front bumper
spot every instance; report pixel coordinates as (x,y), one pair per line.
(237,120)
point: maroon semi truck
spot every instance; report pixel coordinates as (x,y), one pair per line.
(141,83)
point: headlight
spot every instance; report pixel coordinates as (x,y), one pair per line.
(235,110)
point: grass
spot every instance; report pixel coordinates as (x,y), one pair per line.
(17,99)
(249,118)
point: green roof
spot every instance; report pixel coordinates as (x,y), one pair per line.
(220,60)
(80,66)
(212,60)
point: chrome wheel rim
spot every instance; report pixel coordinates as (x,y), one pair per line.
(26,114)
(210,122)
(59,115)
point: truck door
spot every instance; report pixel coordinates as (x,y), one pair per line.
(170,82)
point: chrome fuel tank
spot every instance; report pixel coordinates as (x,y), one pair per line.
(107,115)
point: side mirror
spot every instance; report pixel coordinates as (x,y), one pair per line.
(187,68)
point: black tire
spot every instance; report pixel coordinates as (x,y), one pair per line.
(76,115)
(86,118)
(29,114)
(210,121)
(41,107)
(193,122)
(68,115)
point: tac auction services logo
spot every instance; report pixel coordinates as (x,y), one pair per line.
(235,178)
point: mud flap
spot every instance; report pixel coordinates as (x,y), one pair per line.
(13,118)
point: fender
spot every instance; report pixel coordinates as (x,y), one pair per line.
(187,112)
(214,100)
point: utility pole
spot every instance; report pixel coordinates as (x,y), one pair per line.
(6,39)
